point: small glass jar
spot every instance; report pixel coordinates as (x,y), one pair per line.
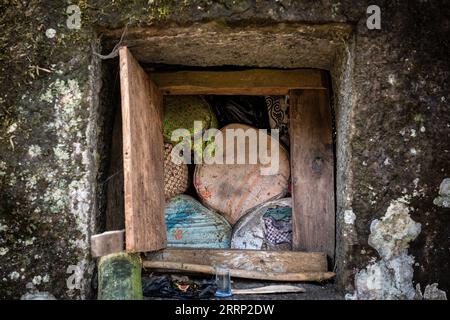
(223,281)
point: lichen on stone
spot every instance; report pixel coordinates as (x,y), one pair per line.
(55,176)
(34,151)
(390,277)
(431,292)
(349,217)
(391,235)
(443,200)
(385,280)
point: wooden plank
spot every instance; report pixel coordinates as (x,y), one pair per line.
(247,82)
(143,157)
(107,242)
(250,260)
(239,273)
(269,289)
(312,171)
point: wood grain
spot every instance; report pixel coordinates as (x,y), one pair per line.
(143,157)
(269,289)
(239,273)
(250,260)
(107,242)
(312,171)
(247,82)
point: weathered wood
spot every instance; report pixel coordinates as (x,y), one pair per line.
(251,260)
(269,289)
(107,242)
(239,273)
(312,171)
(119,277)
(143,157)
(247,82)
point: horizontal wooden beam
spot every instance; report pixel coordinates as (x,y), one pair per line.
(239,273)
(247,82)
(269,289)
(250,260)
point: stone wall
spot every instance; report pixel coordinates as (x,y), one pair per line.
(391,100)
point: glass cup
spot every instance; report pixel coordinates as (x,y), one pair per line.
(223,281)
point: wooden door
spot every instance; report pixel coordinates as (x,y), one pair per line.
(143,157)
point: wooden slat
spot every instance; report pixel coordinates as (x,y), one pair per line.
(312,171)
(248,82)
(143,153)
(240,273)
(250,260)
(107,242)
(269,290)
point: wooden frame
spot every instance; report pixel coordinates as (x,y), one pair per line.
(249,264)
(312,164)
(259,82)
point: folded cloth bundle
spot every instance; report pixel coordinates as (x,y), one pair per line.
(278,224)
(231,188)
(191,225)
(266,227)
(175,175)
(180,112)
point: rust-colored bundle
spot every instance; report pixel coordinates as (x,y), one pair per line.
(232,189)
(175,175)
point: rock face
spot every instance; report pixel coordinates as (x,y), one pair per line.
(444,194)
(391,235)
(431,292)
(385,280)
(390,278)
(390,97)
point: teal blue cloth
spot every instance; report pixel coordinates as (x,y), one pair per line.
(191,225)
(279,213)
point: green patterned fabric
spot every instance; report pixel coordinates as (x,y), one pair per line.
(180,112)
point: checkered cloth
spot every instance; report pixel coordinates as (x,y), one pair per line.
(278,231)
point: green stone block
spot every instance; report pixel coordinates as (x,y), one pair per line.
(119,277)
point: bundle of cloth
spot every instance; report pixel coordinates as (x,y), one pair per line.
(266,227)
(227,196)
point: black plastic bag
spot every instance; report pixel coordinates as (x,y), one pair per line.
(165,287)
(249,110)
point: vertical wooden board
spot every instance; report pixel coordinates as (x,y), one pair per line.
(143,157)
(312,171)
